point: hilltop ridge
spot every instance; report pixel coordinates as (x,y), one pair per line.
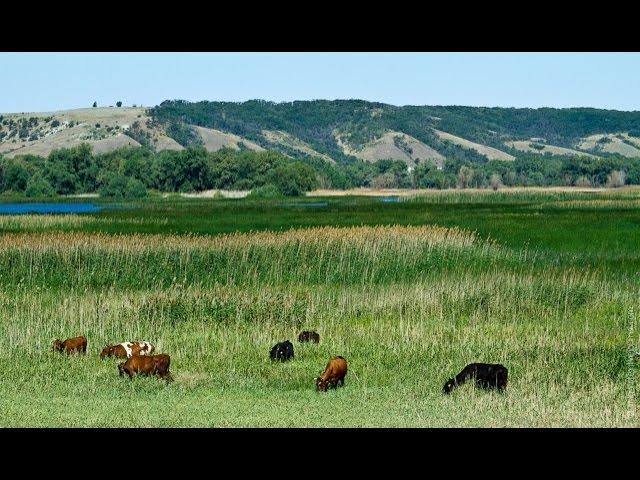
(335,130)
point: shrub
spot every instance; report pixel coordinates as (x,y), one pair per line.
(119,186)
(386,180)
(55,123)
(582,181)
(14,175)
(293,179)
(95,104)
(118,104)
(265,191)
(465,176)
(616,178)
(186,187)
(115,186)
(38,186)
(495,181)
(135,189)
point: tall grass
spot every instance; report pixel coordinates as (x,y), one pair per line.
(407,306)
(363,255)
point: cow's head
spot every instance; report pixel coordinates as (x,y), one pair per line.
(448,386)
(106,351)
(278,352)
(57,346)
(321,385)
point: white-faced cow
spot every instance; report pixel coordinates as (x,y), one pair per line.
(127,349)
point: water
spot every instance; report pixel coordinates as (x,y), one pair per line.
(307,204)
(21,208)
(390,199)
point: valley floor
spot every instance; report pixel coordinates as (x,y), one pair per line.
(408,292)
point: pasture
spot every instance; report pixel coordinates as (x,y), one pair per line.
(408,291)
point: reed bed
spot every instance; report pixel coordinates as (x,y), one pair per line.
(613,203)
(69,222)
(359,255)
(43,222)
(516,196)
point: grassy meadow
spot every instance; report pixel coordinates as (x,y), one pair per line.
(408,291)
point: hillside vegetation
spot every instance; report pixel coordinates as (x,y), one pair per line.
(359,122)
(339,144)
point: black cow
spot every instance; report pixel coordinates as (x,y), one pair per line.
(485,375)
(308,336)
(282,351)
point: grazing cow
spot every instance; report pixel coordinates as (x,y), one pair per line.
(282,351)
(127,349)
(485,375)
(307,336)
(147,365)
(334,373)
(70,345)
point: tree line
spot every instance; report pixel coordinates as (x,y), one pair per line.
(130,172)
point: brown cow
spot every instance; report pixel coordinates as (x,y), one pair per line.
(70,345)
(334,373)
(147,365)
(127,349)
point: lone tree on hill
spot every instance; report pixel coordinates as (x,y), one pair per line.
(118,104)
(95,104)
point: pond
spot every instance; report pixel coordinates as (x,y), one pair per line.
(390,199)
(21,208)
(307,204)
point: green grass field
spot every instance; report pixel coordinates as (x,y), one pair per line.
(408,292)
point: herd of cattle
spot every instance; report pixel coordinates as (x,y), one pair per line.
(141,361)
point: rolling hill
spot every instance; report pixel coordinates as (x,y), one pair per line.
(336,131)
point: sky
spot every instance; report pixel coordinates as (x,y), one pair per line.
(37,82)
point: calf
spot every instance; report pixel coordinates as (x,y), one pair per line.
(282,351)
(70,345)
(147,365)
(334,372)
(485,375)
(127,349)
(307,336)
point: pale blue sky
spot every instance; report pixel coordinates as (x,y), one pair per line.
(51,81)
